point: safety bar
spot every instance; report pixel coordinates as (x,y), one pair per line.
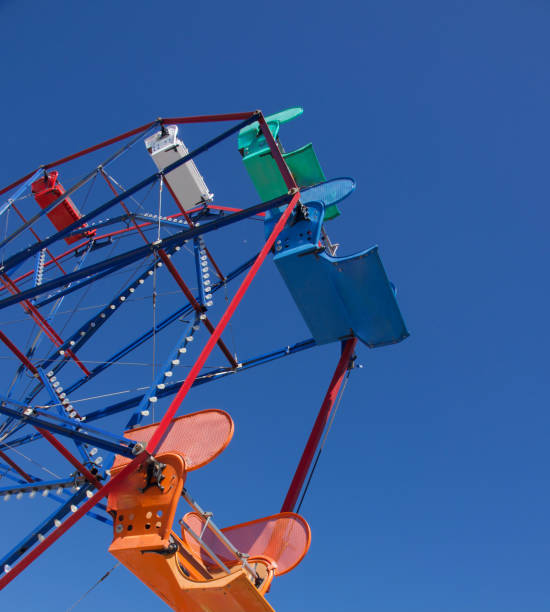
(242,557)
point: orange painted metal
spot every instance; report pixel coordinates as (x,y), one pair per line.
(282,538)
(198,437)
(144,543)
(144,505)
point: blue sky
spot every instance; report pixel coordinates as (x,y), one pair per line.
(431,493)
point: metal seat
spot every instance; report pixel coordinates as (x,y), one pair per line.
(144,505)
(338,297)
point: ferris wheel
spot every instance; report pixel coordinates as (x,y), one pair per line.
(84,250)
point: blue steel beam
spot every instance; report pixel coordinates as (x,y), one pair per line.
(201,380)
(69,192)
(41,529)
(21,189)
(80,434)
(159,327)
(62,420)
(125,259)
(29,251)
(158,383)
(83,334)
(40,485)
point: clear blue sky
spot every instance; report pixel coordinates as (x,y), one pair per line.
(432,492)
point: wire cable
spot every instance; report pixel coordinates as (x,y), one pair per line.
(106,575)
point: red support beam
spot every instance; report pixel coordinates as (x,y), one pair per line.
(279,160)
(46,434)
(318,427)
(22,358)
(208,118)
(196,306)
(42,323)
(201,360)
(14,465)
(70,457)
(37,237)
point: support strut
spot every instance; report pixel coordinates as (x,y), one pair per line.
(318,427)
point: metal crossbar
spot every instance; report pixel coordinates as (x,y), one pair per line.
(209,524)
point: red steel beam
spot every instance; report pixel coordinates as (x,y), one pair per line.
(201,360)
(37,237)
(22,358)
(318,427)
(46,434)
(70,457)
(14,465)
(43,324)
(279,160)
(197,307)
(208,118)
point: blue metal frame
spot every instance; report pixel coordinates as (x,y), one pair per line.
(22,188)
(120,261)
(211,376)
(22,255)
(67,431)
(72,190)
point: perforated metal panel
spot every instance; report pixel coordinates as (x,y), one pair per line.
(199,437)
(283,537)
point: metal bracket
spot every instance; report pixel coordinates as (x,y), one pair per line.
(154,475)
